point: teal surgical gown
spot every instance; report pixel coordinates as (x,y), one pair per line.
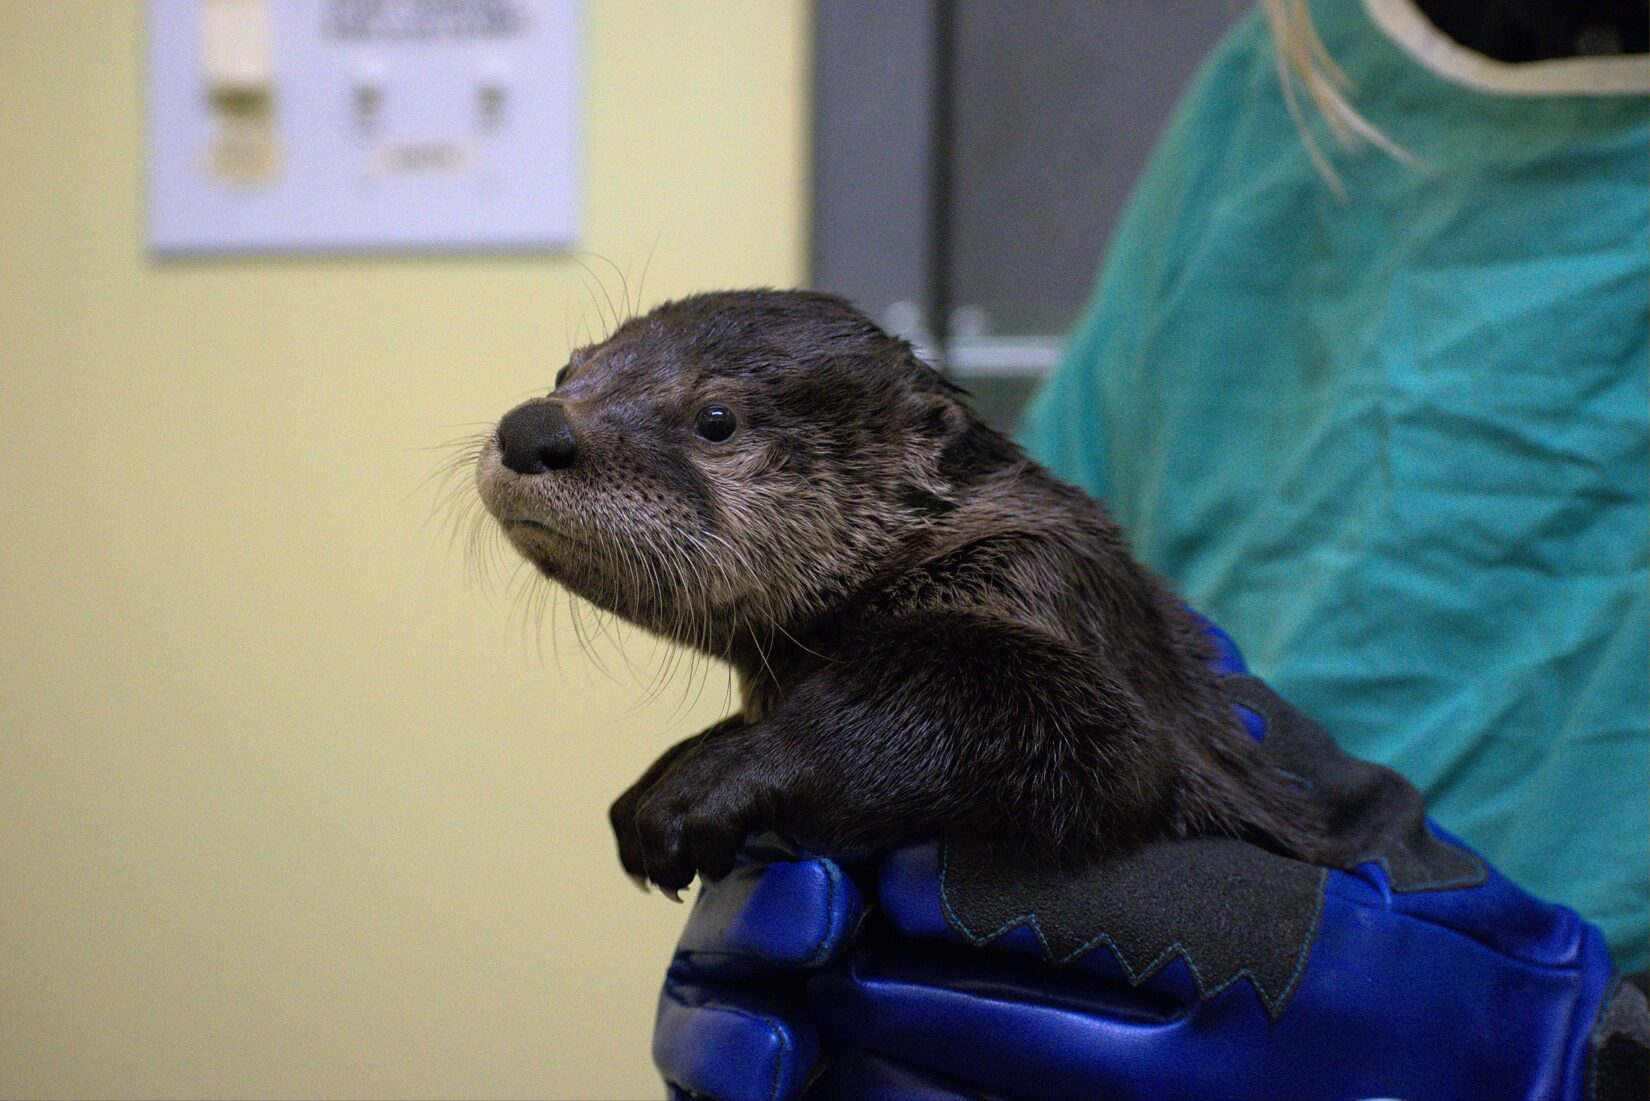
(1397,445)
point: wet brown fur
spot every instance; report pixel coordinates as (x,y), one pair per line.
(932,634)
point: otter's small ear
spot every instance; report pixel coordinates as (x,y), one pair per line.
(941,417)
(969,448)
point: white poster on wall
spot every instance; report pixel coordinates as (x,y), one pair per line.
(334,125)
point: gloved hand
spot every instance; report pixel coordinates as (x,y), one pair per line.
(1199,969)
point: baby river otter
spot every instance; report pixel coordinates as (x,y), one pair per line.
(933,635)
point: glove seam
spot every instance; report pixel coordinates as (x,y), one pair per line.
(822,948)
(779,1039)
(1274,1004)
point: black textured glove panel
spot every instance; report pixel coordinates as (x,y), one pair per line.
(1372,812)
(1229,909)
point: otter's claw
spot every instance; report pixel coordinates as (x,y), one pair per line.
(694,822)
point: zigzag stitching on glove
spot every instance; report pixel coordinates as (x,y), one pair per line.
(1274,1004)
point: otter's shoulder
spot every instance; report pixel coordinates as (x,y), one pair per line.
(989,558)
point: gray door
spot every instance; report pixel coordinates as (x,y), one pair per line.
(971,156)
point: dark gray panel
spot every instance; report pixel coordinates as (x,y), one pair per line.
(1057,105)
(872,177)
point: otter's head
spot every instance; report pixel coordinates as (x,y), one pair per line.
(732,462)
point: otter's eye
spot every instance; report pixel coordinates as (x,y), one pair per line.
(561,376)
(715,423)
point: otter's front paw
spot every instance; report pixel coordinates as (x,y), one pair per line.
(693,821)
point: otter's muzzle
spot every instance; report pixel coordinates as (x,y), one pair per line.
(536,437)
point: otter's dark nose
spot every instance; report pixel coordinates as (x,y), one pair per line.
(536,438)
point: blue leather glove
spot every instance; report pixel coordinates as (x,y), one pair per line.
(1199,969)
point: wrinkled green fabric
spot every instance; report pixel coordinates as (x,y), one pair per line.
(1398,446)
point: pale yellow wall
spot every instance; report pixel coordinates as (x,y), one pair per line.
(286,809)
